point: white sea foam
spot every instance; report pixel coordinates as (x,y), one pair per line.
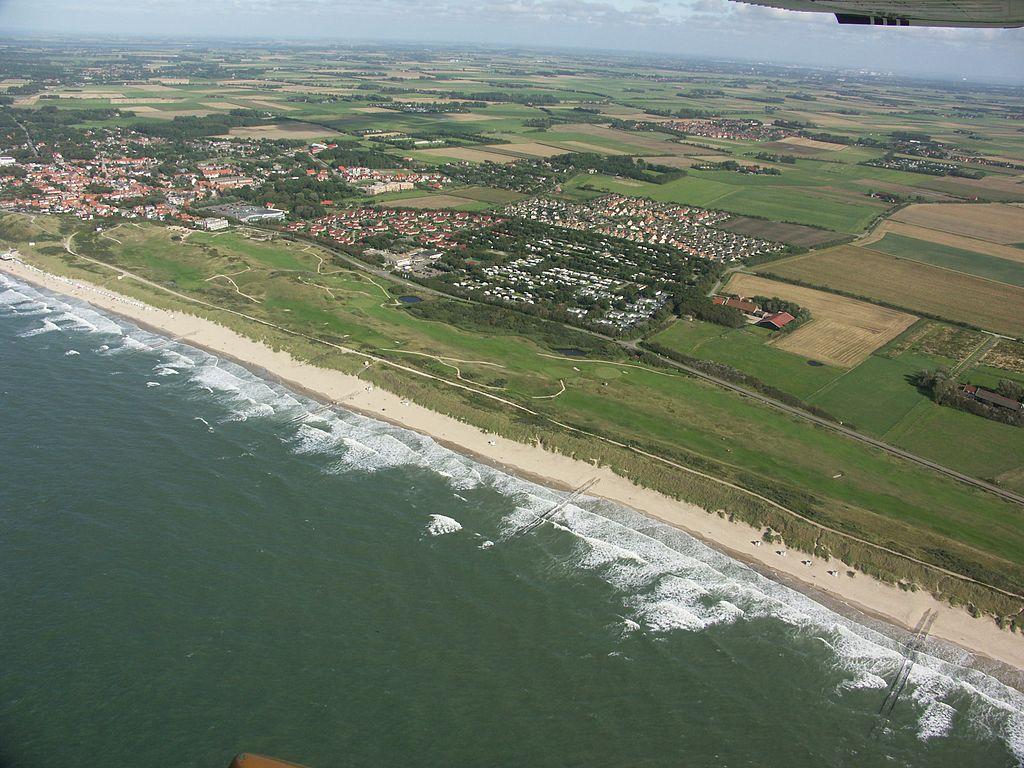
(440,525)
(58,312)
(71,353)
(47,327)
(935,721)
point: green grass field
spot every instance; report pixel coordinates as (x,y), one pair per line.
(747,350)
(875,395)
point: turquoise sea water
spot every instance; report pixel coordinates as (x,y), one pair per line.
(195,562)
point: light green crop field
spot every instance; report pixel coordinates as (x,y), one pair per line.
(812,206)
(875,395)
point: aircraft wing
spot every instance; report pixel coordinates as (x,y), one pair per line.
(912,13)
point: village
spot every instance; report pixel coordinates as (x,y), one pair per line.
(123,179)
(358,225)
(733,130)
(688,229)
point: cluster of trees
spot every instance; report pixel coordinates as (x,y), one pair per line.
(775,304)
(526,177)
(926,167)
(684,113)
(944,389)
(193,127)
(732,165)
(693,302)
(771,157)
(302,197)
(532,98)
(617,165)
(55,129)
(433,107)
(355,155)
(447,136)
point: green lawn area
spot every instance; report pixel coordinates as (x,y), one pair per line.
(980,264)
(875,395)
(982,447)
(279,255)
(747,350)
(487,194)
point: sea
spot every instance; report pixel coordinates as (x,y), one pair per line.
(196,562)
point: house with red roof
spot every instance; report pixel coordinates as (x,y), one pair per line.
(776,320)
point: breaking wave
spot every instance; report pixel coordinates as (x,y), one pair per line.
(440,525)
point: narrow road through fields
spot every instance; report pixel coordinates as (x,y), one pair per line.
(28,138)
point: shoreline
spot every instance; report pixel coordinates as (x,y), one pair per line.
(859,595)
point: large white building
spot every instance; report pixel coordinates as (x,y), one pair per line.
(212,224)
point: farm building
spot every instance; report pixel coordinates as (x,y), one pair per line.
(776,320)
(991,398)
(743,305)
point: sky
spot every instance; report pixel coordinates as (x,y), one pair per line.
(704,28)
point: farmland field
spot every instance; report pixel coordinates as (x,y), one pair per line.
(791,234)
(289,130)
(972,244)
(487,194)
(996,223)
(842,331)
(747,350)
(918,287)
(464,153)
(527,149)
(812,144)
(437,201)
(979,264)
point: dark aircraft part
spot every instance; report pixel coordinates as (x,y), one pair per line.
(911,13)
(879,21)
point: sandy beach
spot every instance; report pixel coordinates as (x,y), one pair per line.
(979,636)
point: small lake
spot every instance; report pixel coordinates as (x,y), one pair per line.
(410,299)
(571,351)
